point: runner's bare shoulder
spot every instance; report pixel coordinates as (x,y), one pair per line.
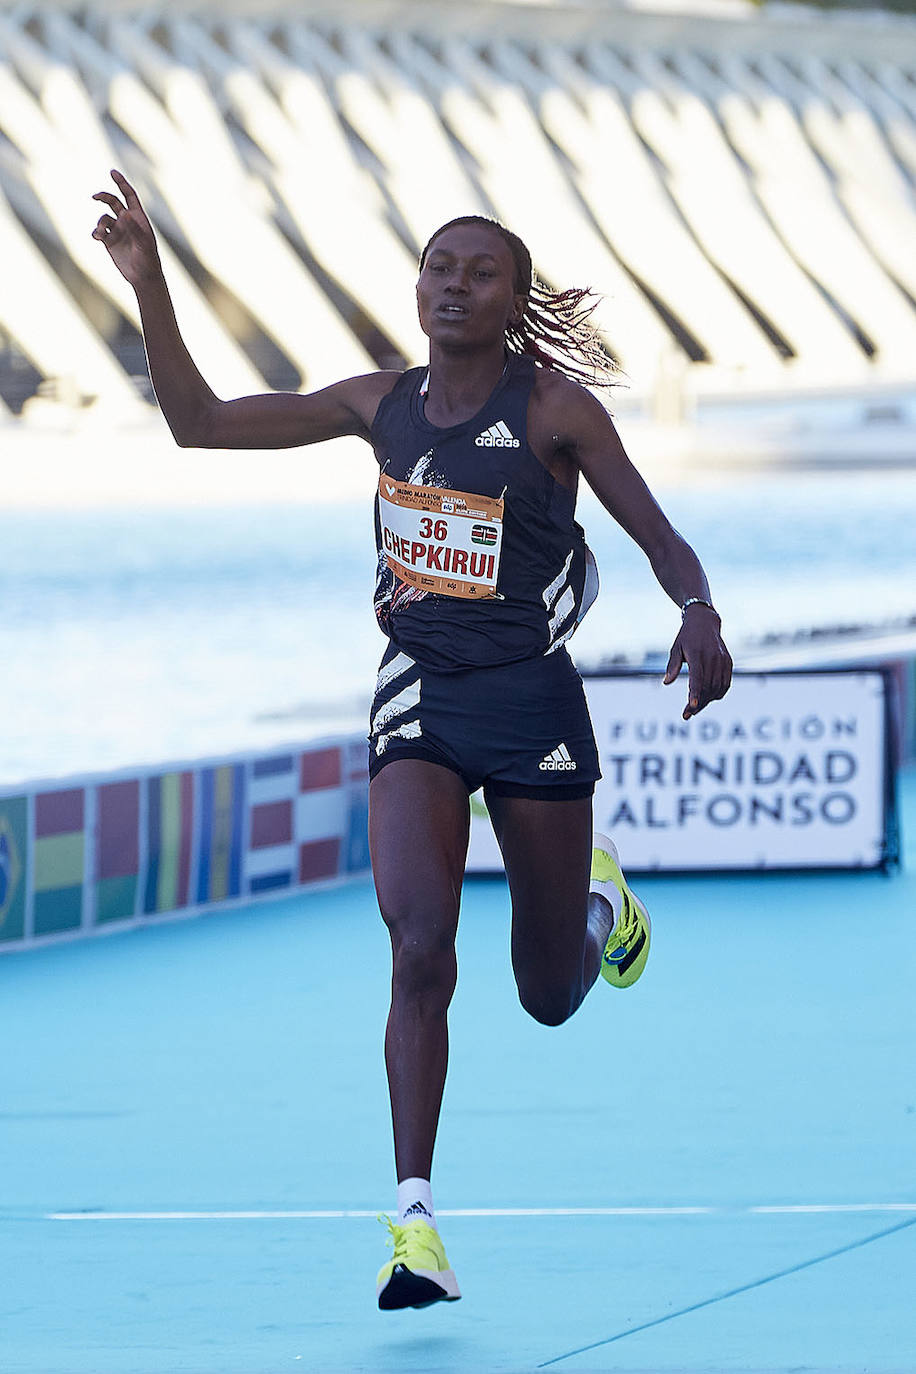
(364,394)
(559,410)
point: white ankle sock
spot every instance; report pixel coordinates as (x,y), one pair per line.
(611,894)
(415,1200)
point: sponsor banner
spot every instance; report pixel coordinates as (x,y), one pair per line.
(58,860)
(788,771)
(442,541)
(117,853)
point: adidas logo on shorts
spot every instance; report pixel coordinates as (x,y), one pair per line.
(557,761)
(497,436)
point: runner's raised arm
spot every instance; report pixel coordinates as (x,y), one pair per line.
(194,413)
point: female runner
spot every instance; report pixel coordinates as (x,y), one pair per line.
(483,576)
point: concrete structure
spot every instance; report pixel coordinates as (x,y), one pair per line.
(739,186)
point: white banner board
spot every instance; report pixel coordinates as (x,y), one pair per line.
(788,771)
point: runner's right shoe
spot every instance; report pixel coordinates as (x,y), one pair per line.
(417,1275)
(627,949)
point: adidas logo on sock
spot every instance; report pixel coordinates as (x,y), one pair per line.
(416,1209)
(557,761)
(497,436)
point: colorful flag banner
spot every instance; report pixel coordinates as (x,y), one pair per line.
(58,861)
(98,851)
(169,841)
(222,801)
(117,865)
(14,830)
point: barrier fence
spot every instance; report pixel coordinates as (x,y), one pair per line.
(102,852)
(791,770)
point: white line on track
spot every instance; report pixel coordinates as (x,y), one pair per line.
(762,1210)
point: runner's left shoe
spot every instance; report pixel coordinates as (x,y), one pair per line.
(627,949)
(417,1275)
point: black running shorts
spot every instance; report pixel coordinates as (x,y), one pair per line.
(521,728)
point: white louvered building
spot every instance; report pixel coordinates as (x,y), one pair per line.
(739,187)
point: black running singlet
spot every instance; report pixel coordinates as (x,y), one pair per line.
(481,561)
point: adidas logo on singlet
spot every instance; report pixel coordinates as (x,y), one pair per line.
(498,436)
(557,761)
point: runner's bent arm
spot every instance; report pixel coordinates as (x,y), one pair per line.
(194,413)
(571,424)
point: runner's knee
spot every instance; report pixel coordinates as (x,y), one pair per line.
(424,965)
(550,1003)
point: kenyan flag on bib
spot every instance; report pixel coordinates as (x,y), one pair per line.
(483,534)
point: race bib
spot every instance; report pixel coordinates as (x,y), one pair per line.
(442,541)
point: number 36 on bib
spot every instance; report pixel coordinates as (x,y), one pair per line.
(442,541)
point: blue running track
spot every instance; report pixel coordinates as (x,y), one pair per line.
(713,1171)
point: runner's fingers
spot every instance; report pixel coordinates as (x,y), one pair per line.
(723,674)
(709,680)
(725,680)
(704,684)
(695,695)
(675,662)
(127,191)
(111,200)
(104,227)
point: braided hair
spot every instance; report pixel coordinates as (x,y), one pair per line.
(556,327)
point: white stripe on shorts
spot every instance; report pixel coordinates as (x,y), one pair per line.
(405,701)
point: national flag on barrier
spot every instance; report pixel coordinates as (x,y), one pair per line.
(117,850)
(58,861)
(219,859)
(169,841)
(307,817)
(14,839)
(270,858)
(321,815)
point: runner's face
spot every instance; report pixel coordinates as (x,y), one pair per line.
(466,291)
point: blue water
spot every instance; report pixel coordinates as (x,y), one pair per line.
(132,636)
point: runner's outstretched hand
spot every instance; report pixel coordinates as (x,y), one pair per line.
(127,233)
(699,644)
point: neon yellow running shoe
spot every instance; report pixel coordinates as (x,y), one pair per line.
(417,1274)
(627,949)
